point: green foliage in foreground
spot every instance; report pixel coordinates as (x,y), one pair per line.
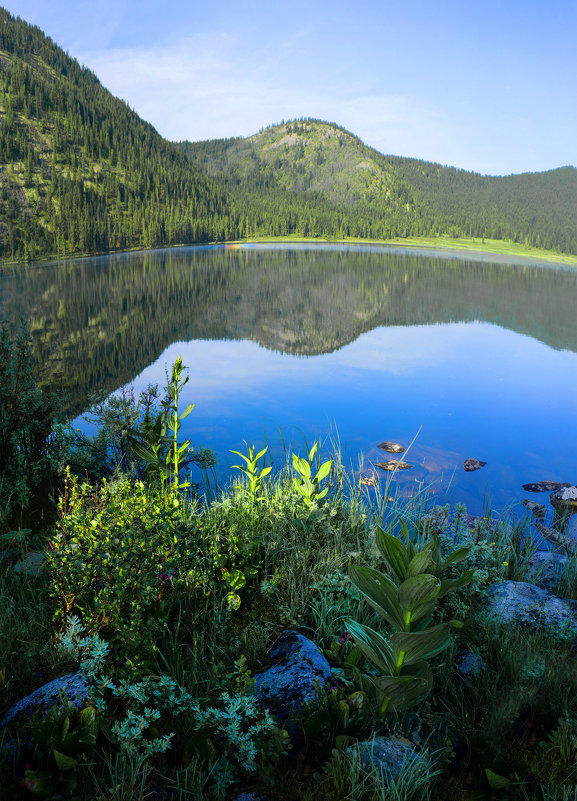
(406,599)
(168,605)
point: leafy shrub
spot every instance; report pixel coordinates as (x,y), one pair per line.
(121,550)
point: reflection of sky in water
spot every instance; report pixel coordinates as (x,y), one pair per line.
(473,389)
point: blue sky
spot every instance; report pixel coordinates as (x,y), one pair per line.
(487,86)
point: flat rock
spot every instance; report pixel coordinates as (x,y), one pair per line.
(521,602)
(545,569)
(370,481)
(564,497)
(44,698)
(385,754)
(391,447)
(297,673)
(536,509)
(555,536)
(544,486)
(473,464)
(394,464)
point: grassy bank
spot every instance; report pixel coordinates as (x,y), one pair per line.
(473,246)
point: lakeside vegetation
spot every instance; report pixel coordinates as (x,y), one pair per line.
(81,173)
(167,603)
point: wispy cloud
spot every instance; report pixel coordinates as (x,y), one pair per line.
(210,86)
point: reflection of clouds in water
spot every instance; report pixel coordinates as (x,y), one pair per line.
(221,367)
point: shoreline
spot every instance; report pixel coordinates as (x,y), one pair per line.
(474,246)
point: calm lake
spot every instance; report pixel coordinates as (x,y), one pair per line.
(476,355)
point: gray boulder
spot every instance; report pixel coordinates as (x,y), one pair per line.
(44,698)
(520,602)
(564,498)
(545,569)
(299,671)
(388,756)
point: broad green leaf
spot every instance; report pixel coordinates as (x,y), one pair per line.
(312,452)
(142,451)
(322,494)
(418,590)
(301,466)
(323,471)
(454,584)
(422,611)
(380,592)
(496,782)
(64,761)
(234,578)
(89,720)
(394,554)
(260,454)
(187,411)
(372,644)
(403,691)
(242,456)
(457,556)
(233,601)
(265,471)
(420,563)
(415,646)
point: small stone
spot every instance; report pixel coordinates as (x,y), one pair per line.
(544,486)
(370,481)
(394,464)
(473,464)
(564,497)
(536,509)
(386,755)
(468,663)
(391,447)
(31,565)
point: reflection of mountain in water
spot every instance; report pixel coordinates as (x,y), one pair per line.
(99,322)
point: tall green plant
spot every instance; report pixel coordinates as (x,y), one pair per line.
(406,600)
(305,483)
(253,475)
(161,450)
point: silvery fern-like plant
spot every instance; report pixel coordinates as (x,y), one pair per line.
(406,598)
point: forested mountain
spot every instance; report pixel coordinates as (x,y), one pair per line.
(358,191)
(80,172)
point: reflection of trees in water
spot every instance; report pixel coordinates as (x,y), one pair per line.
(99,322)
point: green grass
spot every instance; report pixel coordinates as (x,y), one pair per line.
(517,718)
(473,245)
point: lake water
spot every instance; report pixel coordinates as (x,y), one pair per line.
(475,356)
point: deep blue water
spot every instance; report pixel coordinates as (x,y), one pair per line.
(475,357)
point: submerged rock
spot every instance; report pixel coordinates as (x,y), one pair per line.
(394,464)
(536,509)
(388,756)
(370,481)
(299,671)
(544,486)
(391,447)
(521,602)
(473,464)
(43,699)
